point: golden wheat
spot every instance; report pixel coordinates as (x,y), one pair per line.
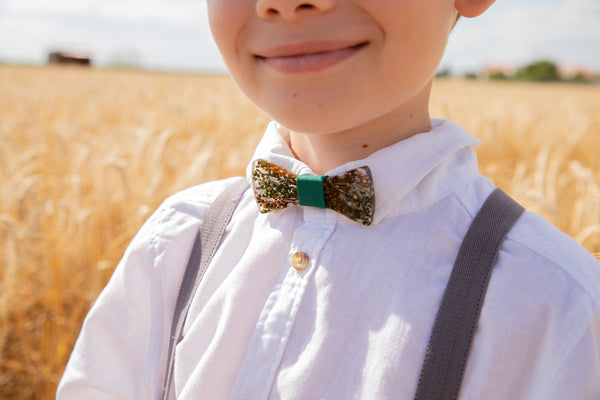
(86,155)
(540,143)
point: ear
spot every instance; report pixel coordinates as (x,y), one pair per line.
(472,8)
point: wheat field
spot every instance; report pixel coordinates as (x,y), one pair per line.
(86,155)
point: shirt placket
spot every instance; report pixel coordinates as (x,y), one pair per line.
(277,318)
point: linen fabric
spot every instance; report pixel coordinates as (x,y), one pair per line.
(355,323)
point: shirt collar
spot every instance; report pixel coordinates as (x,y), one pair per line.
(407,175)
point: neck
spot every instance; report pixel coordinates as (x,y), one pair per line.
(323,152)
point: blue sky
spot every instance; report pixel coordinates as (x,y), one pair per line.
(174,35)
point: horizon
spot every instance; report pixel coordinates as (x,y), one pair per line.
(157,35)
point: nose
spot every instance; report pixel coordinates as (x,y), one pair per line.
(291,10)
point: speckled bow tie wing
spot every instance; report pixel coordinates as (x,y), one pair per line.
(274,187)
(351,194)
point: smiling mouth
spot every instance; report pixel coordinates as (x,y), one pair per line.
(309,57)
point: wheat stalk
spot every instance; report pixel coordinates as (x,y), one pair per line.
(80,177)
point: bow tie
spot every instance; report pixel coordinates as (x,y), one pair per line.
(351,194)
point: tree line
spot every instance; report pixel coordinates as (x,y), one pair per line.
(537,71)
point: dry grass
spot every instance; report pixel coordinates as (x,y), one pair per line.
(86,155)
(541,143)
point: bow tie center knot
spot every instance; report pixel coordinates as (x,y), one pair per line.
(311,191)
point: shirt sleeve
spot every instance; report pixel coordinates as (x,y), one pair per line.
(121,351)
(578,378)
(122,346)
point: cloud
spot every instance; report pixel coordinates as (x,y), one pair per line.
(516,32)
(160,11)
(165,35)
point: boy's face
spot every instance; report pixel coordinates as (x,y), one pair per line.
(323,66)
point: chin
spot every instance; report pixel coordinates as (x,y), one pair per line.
(314,120)
(312,126)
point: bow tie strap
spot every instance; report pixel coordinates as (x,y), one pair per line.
(351,194)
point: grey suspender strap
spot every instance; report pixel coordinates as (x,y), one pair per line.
(448,349)
(206,243)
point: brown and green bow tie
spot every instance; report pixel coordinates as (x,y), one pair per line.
(351,194)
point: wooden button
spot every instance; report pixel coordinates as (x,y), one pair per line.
(300,261)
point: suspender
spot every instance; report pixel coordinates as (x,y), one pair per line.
(448,349)
(449,345)
(206,243)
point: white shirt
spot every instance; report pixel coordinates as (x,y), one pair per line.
(355,323)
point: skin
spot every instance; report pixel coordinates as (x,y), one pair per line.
(344,78)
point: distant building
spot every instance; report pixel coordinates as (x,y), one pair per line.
(572,72)
(495,71)
(69,58)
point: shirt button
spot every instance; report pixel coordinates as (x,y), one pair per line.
(300,261)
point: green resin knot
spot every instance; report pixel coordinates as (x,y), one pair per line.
(311,190)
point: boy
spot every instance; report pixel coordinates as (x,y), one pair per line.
(305,303)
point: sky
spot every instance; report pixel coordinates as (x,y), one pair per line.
(174,35)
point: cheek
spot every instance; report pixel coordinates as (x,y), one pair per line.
(416,22)
(417,40)
(225,20)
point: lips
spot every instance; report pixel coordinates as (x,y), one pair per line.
(310,56)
